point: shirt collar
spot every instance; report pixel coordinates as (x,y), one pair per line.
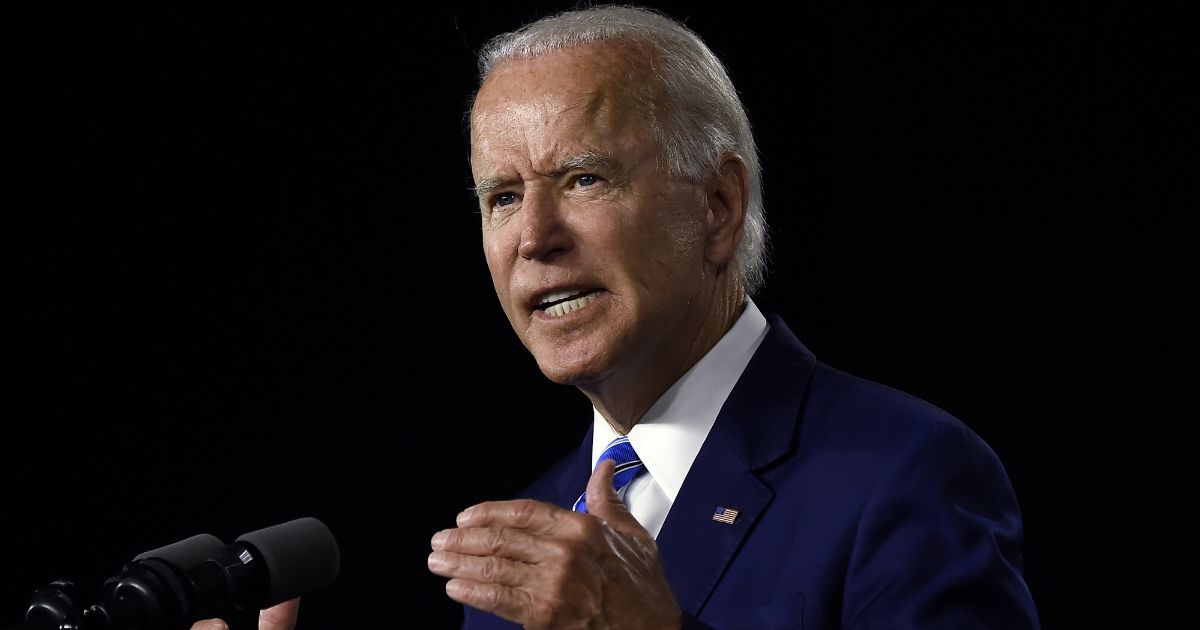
(671,432)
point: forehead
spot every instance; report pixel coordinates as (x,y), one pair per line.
(586,93)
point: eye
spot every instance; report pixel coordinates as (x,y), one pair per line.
(586,180)
(504,199)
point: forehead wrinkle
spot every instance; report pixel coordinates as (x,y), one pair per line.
(503,166)
(546,130)
(589,123)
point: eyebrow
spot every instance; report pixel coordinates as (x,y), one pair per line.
(583,161)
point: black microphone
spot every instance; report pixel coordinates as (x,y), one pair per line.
(196,578)
(299,557)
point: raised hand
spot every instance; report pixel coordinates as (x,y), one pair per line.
(542,566)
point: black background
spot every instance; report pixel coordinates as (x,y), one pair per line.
(244,281)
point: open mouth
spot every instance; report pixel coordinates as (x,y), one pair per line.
(559,303)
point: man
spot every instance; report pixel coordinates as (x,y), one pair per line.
(754,486)
(757,487)
(622,225)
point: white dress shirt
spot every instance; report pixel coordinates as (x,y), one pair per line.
(670,434)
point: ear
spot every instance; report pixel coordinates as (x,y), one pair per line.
(727,193)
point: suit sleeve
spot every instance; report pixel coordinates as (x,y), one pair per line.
(478,620)
(939,542)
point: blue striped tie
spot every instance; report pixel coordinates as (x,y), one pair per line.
(629,466)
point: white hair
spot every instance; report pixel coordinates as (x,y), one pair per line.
(701,118)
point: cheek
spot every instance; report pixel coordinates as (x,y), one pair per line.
(498,264)
(674,242)
(501,273)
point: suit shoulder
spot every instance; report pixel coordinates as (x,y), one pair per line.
(848,406)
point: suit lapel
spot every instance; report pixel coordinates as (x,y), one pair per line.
(755,427)
(695,549)
(574,478)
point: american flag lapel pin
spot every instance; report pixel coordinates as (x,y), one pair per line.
(725,515)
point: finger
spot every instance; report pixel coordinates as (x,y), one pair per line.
(487,570)
(505,542)
(510,603)
(535,516)
(210,624)
(602,500)
(280,617)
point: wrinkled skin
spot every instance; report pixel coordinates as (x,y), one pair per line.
(542,566)
(574,196)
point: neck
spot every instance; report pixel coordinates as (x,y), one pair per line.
(624,397)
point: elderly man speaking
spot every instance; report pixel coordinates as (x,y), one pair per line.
(729,479)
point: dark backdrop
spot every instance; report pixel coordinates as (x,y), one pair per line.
(244,281)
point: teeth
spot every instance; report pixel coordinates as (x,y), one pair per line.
(556,295)
(558,310)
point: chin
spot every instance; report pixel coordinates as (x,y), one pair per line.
(566,376)
(571,372)
(579,357)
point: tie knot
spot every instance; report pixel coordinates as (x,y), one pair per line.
(620,451)
(629,466)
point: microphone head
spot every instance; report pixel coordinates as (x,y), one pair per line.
(186,553)
(301,556)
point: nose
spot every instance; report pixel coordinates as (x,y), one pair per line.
(544,233)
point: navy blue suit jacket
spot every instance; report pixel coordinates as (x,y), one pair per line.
(858,507)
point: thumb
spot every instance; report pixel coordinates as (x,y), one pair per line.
(280,617)
(602,500)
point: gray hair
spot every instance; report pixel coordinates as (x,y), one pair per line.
(703,115)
